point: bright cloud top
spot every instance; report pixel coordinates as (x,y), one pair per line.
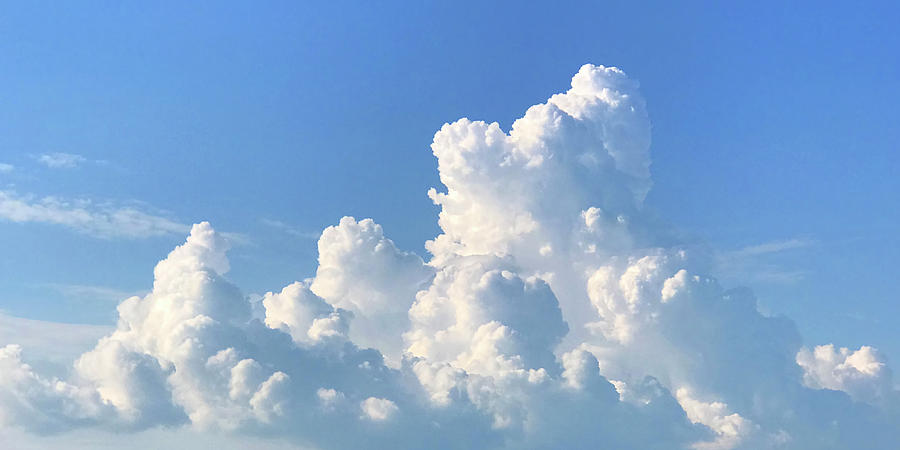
(550,315)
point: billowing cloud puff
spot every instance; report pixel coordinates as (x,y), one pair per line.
(184,340)
(485,319)
(553,313)
(862,373)
(43,404)
(304,315)
(378,409)
(362,271)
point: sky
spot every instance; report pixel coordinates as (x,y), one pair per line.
(761,142)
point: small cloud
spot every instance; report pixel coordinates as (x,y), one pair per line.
(291,230)
(61,160)
(6,168)
(378,409)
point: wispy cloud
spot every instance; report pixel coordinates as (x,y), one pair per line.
(6,168)
(773,247)
(100,293)
(237,239)
(774,274)
(752,263)
(102,220)
(61,160)
(289,229)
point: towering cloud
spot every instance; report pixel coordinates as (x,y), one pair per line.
(552,314)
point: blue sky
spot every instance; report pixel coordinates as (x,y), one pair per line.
(770,123)
(774,136)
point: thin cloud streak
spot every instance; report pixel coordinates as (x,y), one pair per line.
(289,229)
(751,264)
(100,220)
(100,293)
(773,247)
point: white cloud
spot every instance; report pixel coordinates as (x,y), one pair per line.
(61,160)
(729,427)
(378,409)
(549,315)
(329,398)
(362,271)
(305,316)
(6,168)
(102,220)
(862,373)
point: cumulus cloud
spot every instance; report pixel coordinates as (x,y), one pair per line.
(378,409)
(59,160)
(102,220)
(552,313)
(362,271)
(304,315)
(862,373)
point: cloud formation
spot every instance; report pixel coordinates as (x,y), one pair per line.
(553,313)
(101,220)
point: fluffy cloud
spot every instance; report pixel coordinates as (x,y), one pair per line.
(362,271)
(485,319)
(553,313)
(304,315)
(378,409)
(39,403)
(862,373)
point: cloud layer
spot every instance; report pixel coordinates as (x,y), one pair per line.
(553,313)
